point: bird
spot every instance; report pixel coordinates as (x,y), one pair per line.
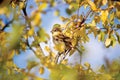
(59,37)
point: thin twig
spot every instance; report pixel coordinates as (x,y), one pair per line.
(41,49)
(85,18)
(26,15)
(80,52)
(7,25)
(57,58)
(65,54)
(27,42)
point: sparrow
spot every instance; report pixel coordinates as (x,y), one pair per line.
(59,37)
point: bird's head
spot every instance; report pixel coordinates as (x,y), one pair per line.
(56,29)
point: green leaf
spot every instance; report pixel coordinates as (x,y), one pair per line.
(57,13)
(62,72)
(112,15)
(31,64)
(113,43)
(14,36)
(69,11)
(93,28)
(101,36)
(43,36)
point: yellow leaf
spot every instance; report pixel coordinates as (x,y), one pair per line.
(36,19)
(11,54)
(85,6)
(21,5)
(2,23)
(3,10)
(74,42)
(92,23)
(60,47)
(47,49)
(43,36)
(93,27)
(101,36)
(31,32)
(107,42)
(104,2)
(41,70)
(65,61)
(87,65)
(112,15)
(42,6)
(56,13)
(92,5)
(104,15)
(13,5)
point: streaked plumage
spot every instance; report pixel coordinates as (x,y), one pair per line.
(59,37)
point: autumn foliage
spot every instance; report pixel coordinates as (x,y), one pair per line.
(86,17)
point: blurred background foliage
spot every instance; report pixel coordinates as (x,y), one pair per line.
(21,26)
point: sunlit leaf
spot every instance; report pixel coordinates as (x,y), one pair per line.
(14,36)
(104,2)
(43,36)
(107,42)
(57,13)
(87,65)
(104,15)
(31,32)
(112,16)
(61,72)
(11,54)
(4,10)
(92,5)
(41,70)
(74,42)
(60,47)
(65,61)
(21,5)
(31,64)
(42,6)
(73,6)
(36,18)
(101,36)
(47,49)
(93,28)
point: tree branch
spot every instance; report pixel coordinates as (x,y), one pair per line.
(6,25)
(24,10)
(85,18)
(57,58)
(29,23)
